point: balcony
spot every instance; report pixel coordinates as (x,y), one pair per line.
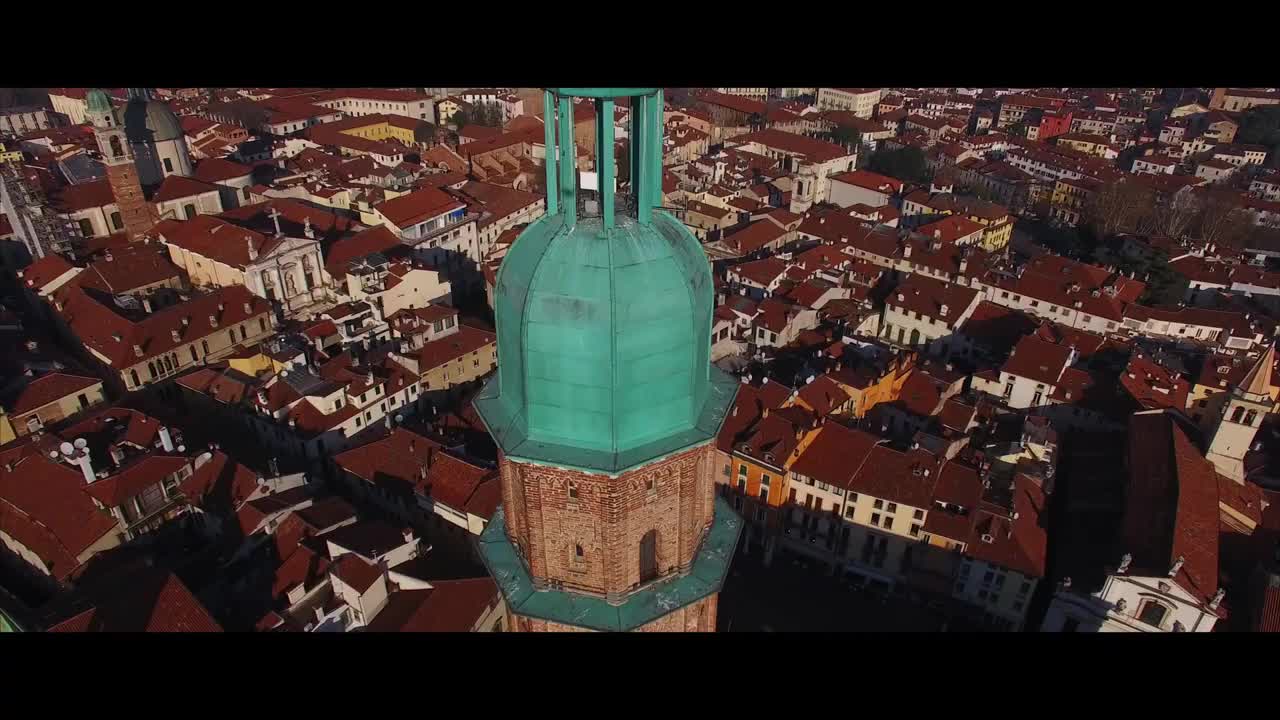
(466,218)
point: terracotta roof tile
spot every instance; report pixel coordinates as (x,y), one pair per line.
(835,455)
(1171,504)
(176,187)
(1037,360)
(417,206)
(126,269)
(897,476)
(356,572)
(217,170)
(49,388)
(44,505)
(147,601)
(435,353)
(449,606)
(45,270)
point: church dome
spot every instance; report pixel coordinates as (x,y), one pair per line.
(96,101)
(604,342)
(150,121)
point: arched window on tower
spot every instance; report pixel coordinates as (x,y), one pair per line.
(1249,417)
(117,150)
(649,556)
(1235,414)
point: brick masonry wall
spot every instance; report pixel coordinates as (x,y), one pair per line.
(137,215)
(608,519)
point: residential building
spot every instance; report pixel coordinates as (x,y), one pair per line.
(859,101)
(1215,171)
(379,101)
(49,399)
(863,187)
(1240,99)
(996,224)
(22,120)
(136,347)
(814,161)
(1155,164)
(928,315)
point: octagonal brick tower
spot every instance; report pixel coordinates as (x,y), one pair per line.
(605,404)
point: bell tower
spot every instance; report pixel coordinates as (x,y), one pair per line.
(605,405)
(1243,412)
(137,215)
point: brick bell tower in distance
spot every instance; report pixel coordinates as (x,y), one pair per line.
(605,405)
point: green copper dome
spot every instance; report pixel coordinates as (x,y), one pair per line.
(96,101)
(604,333)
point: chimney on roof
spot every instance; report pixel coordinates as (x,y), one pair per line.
(166,440)
(306,229)
(85,461)
(177,337)
(1177,565)
(248,308)
(146,304)
(253,252)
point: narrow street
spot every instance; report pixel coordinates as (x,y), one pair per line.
(791,598)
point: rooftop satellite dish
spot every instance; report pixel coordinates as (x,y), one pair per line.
(53,454)
(66,448)
(81,443)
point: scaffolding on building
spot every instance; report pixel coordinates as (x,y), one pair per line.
(35,224)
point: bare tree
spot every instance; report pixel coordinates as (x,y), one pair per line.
(1174,217)
(1222,220)
(1117,206)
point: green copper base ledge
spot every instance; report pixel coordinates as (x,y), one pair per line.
(710,565)
(510,434)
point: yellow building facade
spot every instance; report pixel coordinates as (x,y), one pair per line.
(6,428)
(886,388)
(10,156)
(381,129)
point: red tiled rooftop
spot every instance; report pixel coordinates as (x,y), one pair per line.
(49,388)
(217,170)
(149,601)
(446,349)
(448,606)
(1038,360)
(356,572)
(1171,505)
(417,206)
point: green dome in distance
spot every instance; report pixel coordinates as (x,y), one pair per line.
(97,102)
